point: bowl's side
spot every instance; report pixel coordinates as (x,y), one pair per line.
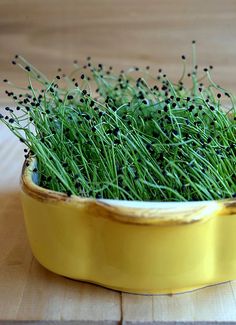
(82,242)
(134,212)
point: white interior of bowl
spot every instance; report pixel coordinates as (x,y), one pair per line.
(155,205)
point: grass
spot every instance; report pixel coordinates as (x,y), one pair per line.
(127,135)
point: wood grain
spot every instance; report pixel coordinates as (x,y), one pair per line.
(51,33)
(30,292)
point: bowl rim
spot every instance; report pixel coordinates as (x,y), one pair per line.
(137,212)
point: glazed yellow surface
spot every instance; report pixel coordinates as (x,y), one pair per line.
(93,242)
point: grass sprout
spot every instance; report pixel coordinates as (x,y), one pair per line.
(129,135)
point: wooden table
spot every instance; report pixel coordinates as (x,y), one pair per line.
(29,292)
(51,33)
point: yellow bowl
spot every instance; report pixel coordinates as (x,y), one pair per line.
(138,247)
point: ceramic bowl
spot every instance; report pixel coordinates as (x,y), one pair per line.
(132,246)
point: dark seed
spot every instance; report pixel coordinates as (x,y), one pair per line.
(69,193)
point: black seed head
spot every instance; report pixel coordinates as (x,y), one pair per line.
(191,108)
(116,131)
(116,141)
(175,132)
(69,193)
(145,102)
(149,147)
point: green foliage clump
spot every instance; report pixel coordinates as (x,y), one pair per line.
(128,135)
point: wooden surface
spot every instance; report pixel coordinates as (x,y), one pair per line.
(30,292)
(51,33)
